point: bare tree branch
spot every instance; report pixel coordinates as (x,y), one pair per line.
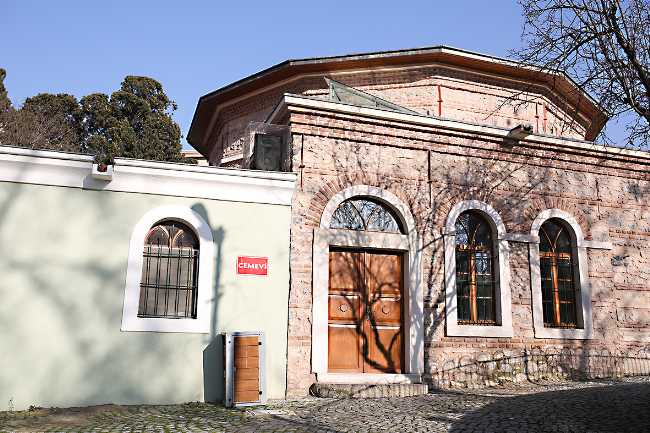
(603,45)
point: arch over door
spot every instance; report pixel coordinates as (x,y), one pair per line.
(377,226)
(365,323)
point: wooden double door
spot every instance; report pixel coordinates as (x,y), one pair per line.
(365,322)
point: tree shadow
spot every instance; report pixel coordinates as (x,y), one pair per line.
(610,408)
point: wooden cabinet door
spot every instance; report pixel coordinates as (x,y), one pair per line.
(247,369)
(365,312)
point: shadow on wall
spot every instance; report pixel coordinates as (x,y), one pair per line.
(533,366)
(213,354)
(80,356)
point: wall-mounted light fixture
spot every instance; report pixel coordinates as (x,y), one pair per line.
(521,131)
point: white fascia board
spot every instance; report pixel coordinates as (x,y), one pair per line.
(146,177)
(298,102)
(203,182)
(48,154)
(44,167)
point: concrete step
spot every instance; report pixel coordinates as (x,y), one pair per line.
(345,390)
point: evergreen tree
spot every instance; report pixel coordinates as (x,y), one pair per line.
(5,102)
(135,122)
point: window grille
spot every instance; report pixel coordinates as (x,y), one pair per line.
(168,287)
(558,292)
(364,214)
(474,271)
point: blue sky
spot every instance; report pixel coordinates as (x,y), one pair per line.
(195,47)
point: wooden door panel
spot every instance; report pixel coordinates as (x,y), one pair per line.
(385,296)
(247,362)
(344,309)
(247,385)
(247,351)
(248,374)
(344,353)
(365,293)
(385,274)
(387,311)
(246,396)
(344,271)
(385,350)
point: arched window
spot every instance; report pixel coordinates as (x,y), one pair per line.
(558,292)
(474,270)
(168,287)
(365,214)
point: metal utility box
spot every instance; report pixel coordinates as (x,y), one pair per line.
(244,373)
(267,147)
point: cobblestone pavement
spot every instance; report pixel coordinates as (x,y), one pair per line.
(615,405)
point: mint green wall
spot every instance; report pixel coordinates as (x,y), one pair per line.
(63,259)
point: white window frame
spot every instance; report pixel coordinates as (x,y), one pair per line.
(584,313)
(504,328)
(198,325)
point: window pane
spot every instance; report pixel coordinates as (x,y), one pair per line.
(558,293)
(159,235)
(366,208)
(347,217)
(364,214)
(169,275)
(383,221)
(462,236)
(554,238)
(474,270)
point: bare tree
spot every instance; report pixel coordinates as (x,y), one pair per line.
(602,44)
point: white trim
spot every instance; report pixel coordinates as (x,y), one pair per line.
(515,237)
(302,103)
(238,157)
(595,245)
(148,177)
(502,287)
(102,175)
(410,243)
(360,378)
(584,314)
(390,199)
(130,319)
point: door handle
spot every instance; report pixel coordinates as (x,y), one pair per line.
(368,311)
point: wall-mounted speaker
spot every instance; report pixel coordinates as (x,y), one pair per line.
(267,153)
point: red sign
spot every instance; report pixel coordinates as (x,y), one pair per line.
(247,265)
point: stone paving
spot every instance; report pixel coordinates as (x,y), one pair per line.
(614,405)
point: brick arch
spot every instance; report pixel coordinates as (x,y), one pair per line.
(337,184)
(456,195)
(552,202)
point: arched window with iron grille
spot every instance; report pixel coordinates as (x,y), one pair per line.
(474,270)
(168,287)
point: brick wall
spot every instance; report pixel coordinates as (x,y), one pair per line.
(431,170)
(449,92)
(607,196)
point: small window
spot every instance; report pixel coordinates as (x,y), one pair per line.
(474,270)
(364,214)
(168,287)
(558,293)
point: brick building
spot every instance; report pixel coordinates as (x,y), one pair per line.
(435,239)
